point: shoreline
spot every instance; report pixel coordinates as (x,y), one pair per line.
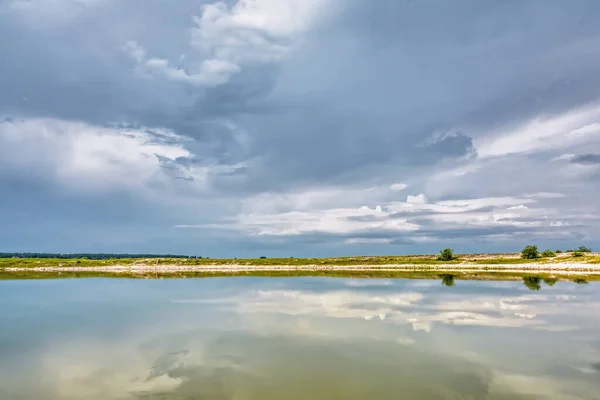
(563,268)
(566,266)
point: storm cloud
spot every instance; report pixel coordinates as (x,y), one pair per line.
(254,127)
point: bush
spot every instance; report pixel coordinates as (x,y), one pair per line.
(577,254)
(263,257)
(446,255)
(583,249)
(548,253)
(580,281)
(558,251)
(530,252)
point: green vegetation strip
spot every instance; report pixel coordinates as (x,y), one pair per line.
(529,266)
(461,259)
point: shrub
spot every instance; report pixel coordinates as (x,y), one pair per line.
(446,255)
(548,253)
(583,249)
(577,254)
(580,281)
(263,257)
(558,251)
(530,252)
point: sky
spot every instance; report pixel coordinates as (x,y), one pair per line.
(248,128)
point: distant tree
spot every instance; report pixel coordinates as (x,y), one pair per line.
(532,282)
(447,280)
(446,255)
(530,252)
(580,281)
(262,257)
(558,251)
(548,253)
(550,281)
(583,249)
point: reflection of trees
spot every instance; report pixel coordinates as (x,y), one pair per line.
(532,282)
(447,279)
(580,281)
(550,281)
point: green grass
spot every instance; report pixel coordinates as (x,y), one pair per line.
(54,262)
(478,259)
(419,263)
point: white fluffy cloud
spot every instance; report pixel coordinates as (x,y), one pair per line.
(211,72)
(80,156)
(418,199)
(414,219)
(544,133)
(225,39)
(398,186)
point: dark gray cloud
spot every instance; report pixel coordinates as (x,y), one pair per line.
(586,159)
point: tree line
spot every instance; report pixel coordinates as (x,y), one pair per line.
(90,256)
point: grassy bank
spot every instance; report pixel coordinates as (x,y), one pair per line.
(562,267)
(460,259)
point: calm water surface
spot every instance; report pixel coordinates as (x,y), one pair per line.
(297,338)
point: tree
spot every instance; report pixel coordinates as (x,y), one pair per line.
(530,252)
(446,255)
(447,280)
(548,253)
(532,282)
(583,249)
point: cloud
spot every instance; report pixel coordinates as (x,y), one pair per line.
(86,157)
(418,199)
(543,134)
(225,39)
(518,207)
(398,186)
(253,30)
(407,222)
(210,72)
(586,159)
(304,110)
